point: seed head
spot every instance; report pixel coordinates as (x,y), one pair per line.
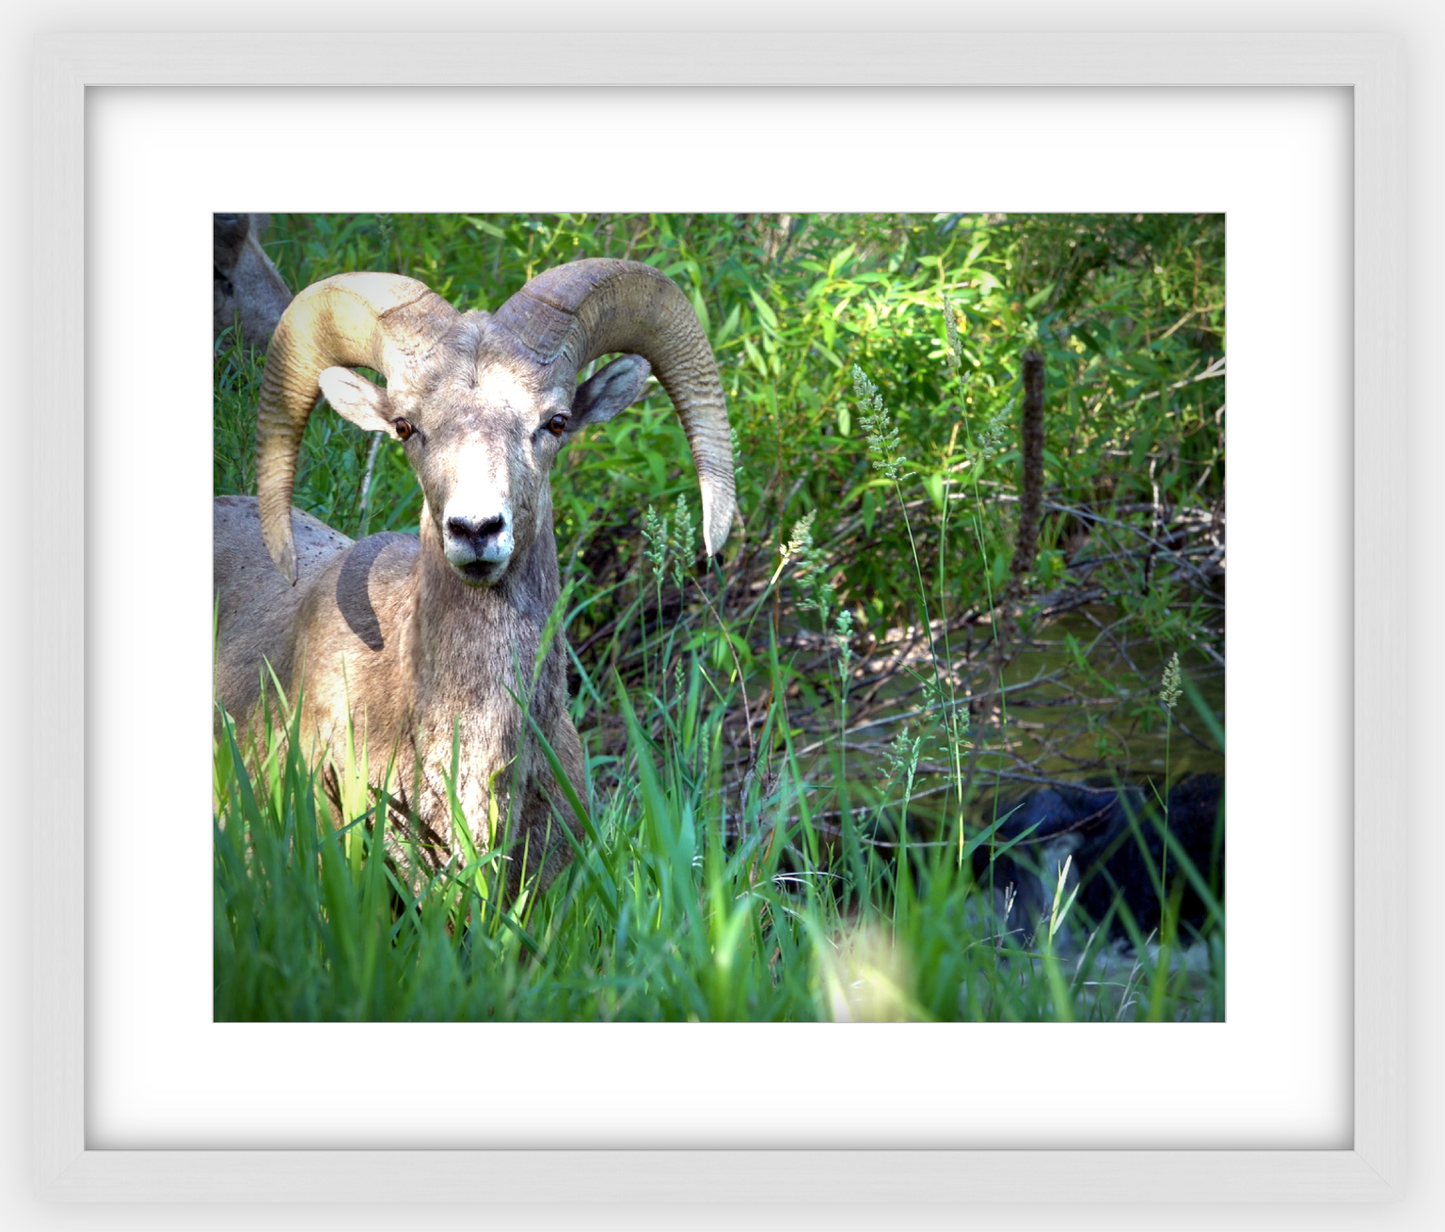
(955,339)
(811,567)
(1169,686)
(843,631)
(883,445)
(989,436)
(654,536)
(685,541)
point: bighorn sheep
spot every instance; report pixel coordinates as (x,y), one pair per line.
(249,292)
(412,638)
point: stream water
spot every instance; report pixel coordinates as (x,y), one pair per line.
(1104,716)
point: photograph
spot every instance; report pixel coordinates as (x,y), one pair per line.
(765,617)
(719,518)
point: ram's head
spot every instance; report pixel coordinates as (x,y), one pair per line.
(482,402)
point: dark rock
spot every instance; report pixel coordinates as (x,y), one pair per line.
(1115,835)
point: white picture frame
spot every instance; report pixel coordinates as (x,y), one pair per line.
(1371,66)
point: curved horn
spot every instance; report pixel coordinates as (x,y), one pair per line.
(584,309)
(380,321)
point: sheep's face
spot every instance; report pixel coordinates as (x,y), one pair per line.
(482,427)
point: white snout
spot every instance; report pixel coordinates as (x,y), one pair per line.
(477,539)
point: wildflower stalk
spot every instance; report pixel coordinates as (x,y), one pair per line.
(984,440)
(902,759)
(654,552)
(1169,688)
(844,634)
(883,450)
(684,536)
(956,734)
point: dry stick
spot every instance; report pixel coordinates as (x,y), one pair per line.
(1031,499)
(1026,545)
(366,481)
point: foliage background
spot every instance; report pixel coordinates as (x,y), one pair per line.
(992,682)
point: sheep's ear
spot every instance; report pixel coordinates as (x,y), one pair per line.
(357,399)
(609,390)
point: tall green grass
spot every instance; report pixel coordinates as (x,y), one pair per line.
(684,901)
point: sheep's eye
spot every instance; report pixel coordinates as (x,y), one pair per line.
(403,429)
(557,425)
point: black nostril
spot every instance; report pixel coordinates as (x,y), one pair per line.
(465,528)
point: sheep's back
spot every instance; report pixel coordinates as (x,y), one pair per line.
(255,606)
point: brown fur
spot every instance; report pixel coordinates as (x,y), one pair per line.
(393,642)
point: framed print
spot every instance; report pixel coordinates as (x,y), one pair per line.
(1308,128)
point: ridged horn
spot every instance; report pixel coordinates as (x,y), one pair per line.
(380,321)
(584,309)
